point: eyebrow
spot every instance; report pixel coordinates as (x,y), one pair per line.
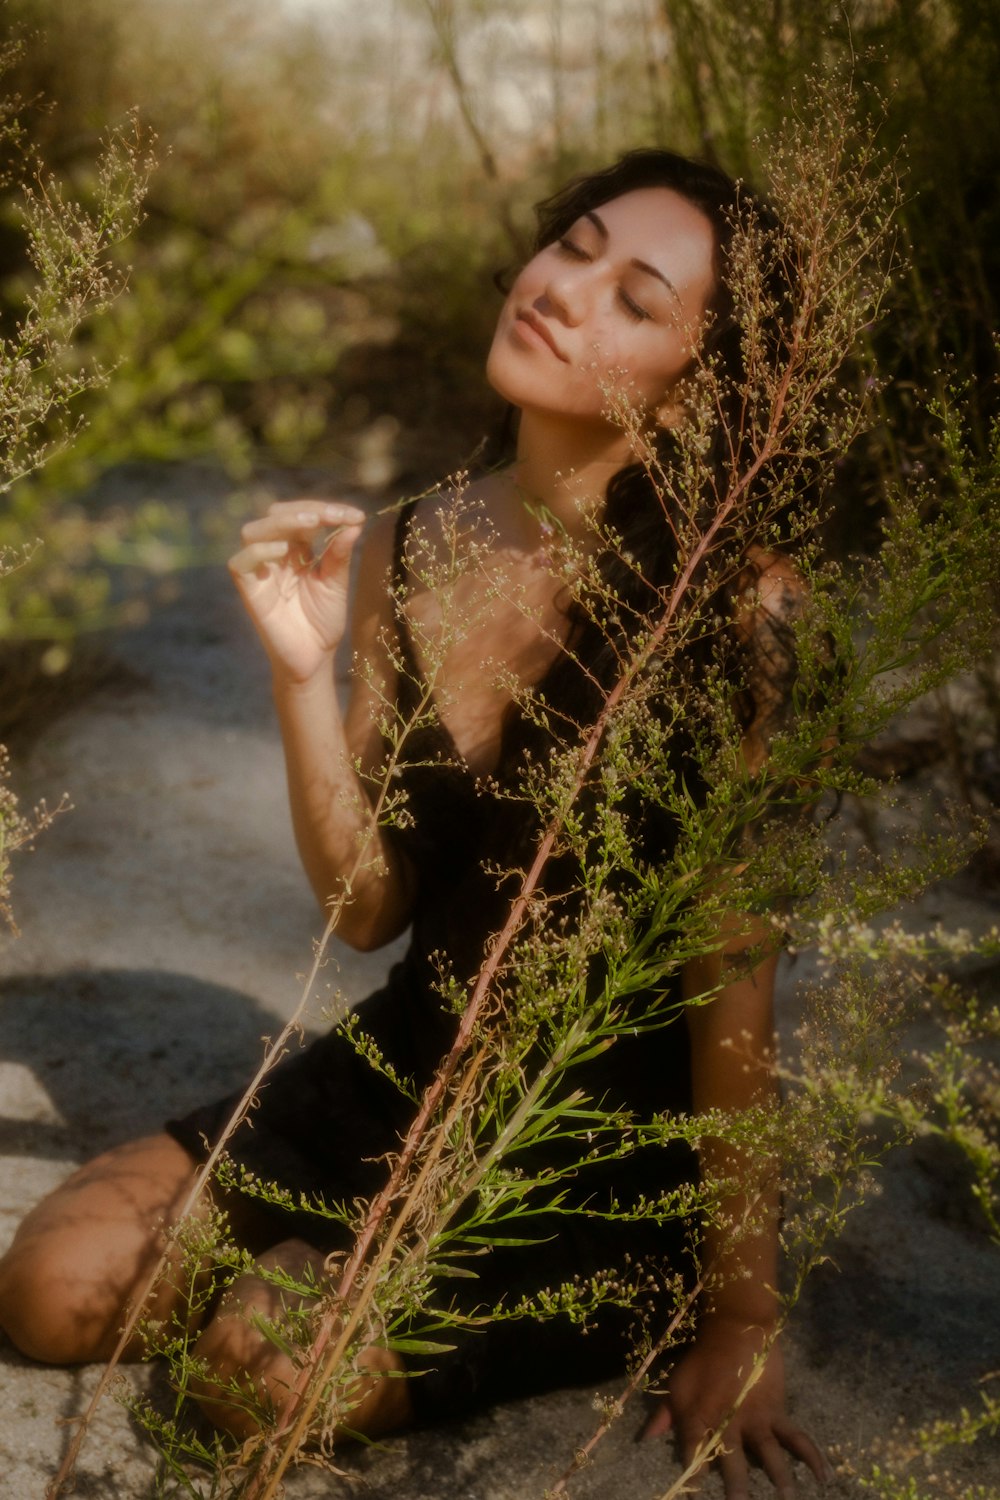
(640,265)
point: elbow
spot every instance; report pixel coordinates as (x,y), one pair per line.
(367,937)
(371,911)
(364,931)
(369,920)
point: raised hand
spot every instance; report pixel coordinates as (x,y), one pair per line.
(703,1387)
(296,593)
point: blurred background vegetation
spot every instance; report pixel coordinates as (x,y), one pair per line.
(313,282)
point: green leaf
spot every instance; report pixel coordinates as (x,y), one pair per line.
(418,1346)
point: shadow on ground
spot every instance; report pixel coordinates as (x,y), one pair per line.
(114,1053)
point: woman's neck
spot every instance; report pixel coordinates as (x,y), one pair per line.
(564,468)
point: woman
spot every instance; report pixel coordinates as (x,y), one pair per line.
(626,288)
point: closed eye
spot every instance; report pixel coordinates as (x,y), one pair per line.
(637,313)
(573,250)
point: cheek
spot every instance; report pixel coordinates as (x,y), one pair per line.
(608,359)
(660,368)
(506,313)
(527,286)
(498,350)
(631,370)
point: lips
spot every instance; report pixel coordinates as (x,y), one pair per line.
(527,320)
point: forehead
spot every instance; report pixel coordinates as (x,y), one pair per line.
(663,228)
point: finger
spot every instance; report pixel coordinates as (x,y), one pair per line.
(659,1422)
(301,518)
(693,1455)
(330,512)
(338,549)
(299,525)
(253,561)
(733,1469)
(776,1467)
(333,512)
(802,1447)
(323,512)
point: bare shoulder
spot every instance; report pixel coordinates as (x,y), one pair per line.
(438,522)
(770,594)
(456,518)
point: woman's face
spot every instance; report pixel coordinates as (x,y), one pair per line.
(615,307)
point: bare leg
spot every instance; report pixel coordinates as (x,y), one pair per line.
(239,1354)
(79,1257)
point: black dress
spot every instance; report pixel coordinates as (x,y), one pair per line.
(325,1119)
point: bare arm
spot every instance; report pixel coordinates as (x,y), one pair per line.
(299,606)
(731,1036)
(731,1040)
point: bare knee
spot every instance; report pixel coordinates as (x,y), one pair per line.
(245,1378)
(243,1398)
(87,1250)
(51,1308)
(248,1378)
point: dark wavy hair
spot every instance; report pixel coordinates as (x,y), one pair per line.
(633,577)
(634,508)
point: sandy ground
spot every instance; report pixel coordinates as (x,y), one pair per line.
(166,925)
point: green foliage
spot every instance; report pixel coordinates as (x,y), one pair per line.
(17,832)
(69,249)
(72,278)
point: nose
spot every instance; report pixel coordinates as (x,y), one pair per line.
(566,289)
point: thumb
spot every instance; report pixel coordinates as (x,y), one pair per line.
(336,554)
(659,1422)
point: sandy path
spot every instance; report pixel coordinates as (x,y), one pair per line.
(165,922)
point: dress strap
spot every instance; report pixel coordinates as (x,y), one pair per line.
(402,530)
(400,577)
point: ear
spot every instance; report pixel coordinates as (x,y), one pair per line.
(672,409)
